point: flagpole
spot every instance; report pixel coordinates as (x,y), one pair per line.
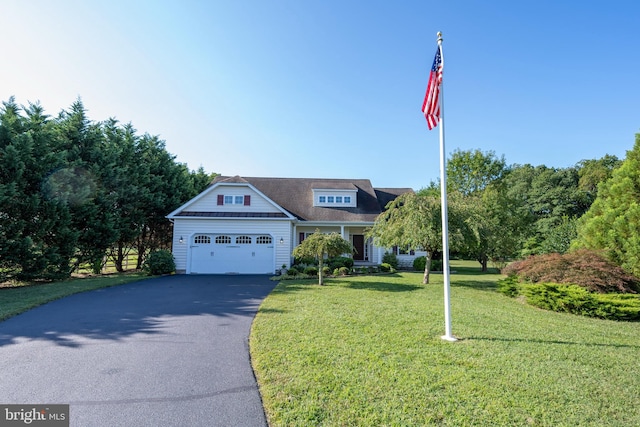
(445,214)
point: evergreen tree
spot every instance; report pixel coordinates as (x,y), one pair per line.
(612,224)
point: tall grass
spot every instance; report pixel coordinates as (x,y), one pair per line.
(367,351)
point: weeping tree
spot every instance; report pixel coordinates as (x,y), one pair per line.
(319,245)
(415,220)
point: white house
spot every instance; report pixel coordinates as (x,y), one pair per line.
(241,225)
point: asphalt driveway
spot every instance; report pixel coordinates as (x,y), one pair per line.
(168,351)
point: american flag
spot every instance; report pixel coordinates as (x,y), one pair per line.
(431,104)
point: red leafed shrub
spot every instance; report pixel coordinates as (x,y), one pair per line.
(584,268)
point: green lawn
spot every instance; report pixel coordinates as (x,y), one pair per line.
(16,300)
(366,351)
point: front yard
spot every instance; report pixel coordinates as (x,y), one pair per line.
(367,351)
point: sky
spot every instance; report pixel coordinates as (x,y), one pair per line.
(333,89)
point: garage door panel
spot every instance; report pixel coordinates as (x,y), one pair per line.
(253,254)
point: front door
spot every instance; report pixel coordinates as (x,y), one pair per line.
(358,245)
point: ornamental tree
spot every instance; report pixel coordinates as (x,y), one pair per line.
(319,245)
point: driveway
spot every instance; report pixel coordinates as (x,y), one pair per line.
(168,351)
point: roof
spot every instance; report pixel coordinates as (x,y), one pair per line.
(295,195)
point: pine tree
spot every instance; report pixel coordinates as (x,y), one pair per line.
(612,224)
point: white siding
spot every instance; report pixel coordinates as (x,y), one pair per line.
(209,203)
(189,227)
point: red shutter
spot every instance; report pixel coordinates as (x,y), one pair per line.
(220,200)
(247,200)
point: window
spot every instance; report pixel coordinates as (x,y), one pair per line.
(339,198)
(264,240)
(243,240)
(223,240)
(202,240)
(234,200)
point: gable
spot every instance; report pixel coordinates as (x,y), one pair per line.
(230,200)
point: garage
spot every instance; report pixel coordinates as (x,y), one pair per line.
(232,254)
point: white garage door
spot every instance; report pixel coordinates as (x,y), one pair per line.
(232,254)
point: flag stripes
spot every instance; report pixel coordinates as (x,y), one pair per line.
(431,104)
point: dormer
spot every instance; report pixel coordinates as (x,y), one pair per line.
(335,198)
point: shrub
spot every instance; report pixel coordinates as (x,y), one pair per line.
(292,271)
(343,271)
(311,271)
(586,268)
(420,263)
(385,267)
(340,261)
(574,299)
(436,265)
(326,270)
(509,286)
(160,262)
(391,259)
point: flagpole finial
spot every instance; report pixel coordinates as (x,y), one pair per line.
(439,36)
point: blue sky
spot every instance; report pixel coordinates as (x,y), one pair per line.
(333,89)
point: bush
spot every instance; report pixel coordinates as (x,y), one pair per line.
(343,271)
(586,268)
(436,265)
(160,262)
(419,263)
(311,271)
(574,299)
(385,267)
(391,259)
(326,270)
(509,286)
(340,261)
(292,271)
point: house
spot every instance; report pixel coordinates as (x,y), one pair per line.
(243,225)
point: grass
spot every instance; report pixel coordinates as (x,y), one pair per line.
(15,300)
(366,351)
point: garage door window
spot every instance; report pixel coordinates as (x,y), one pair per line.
(243,240)
(202,240)
(223,240)
(264,240)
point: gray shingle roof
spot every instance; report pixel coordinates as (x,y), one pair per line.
(296,196)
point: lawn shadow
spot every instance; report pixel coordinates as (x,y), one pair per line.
(539,341)
(382,286)
(482,285)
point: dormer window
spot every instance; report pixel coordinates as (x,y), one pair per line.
(338,198)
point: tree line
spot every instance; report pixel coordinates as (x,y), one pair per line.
(74,191)
(500,212)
